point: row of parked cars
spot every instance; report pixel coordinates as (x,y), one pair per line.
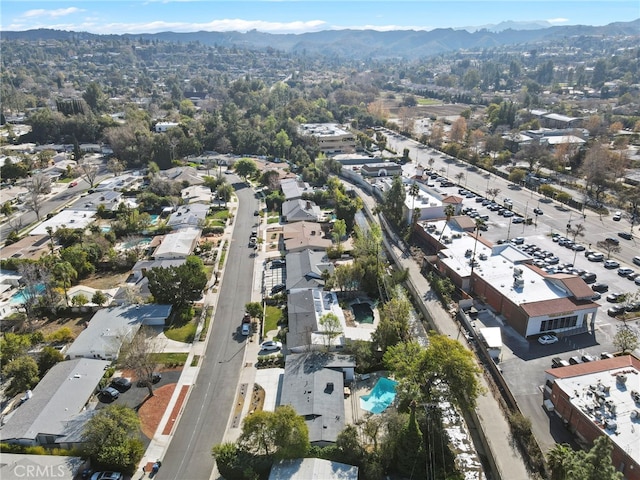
(557,362)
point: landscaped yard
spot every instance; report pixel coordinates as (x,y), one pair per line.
(170,359)
(273,317)
(184,333)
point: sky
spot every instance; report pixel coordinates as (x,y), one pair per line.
(301,16)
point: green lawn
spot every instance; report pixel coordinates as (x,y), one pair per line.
(184,333)
(273,317)
(220,214)
(170,358)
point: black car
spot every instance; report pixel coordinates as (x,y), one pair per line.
(278,288)
(121,384)
(600,287)
(612,241)
(615,310)
(625,235)
(155,378)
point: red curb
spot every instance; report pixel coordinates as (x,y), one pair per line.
(176,410)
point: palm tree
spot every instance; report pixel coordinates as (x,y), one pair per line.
(65,274)
(449,212)
(577,231)
(459,176)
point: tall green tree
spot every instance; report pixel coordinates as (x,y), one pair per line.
(245,167)
(178,286)
(596,464)
(112,438)
(47,358)
(331,327)
(393,203)
(281,434)
(22,373)
(64,273)
(410,449)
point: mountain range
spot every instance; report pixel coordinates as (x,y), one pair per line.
(363,44)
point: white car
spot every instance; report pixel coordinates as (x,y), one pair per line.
(270,345)
(547,339)
(246,329)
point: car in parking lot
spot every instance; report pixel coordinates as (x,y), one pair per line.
(517,240)
(517,219)
(637,280)
(557,362)
(588,358)
(270,345)
(109,394)
(632,276)
(507,213)
(547,339)
(615,297)
(596,257)
(596,296)
(121,384)
(578,248)
(605,355)
(589,277)
(625,235)
(600,287)
(575,360)
(611,264)
(623,272)
(617,216)
(155,378)
(615,310)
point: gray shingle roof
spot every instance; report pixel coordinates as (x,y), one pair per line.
(57,399)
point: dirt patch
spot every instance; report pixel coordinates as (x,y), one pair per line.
(176,410)
(151,412)
(76,324)
(257,399)
(349,318)
(105,281)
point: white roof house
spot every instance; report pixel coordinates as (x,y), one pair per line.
(109,328)
(68,218)
(58,398)
(179,244)
(192,215)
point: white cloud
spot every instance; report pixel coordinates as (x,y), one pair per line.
(557,20)
(60,12)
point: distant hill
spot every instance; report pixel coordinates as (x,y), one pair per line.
(361,44)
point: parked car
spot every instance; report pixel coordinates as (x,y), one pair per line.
(636,260)
(605,355)
(278,288)
(615,297)
(246,318)
(625,235)
(107,476)
(109,393)
(517,220)
(623,272)
(588,277)
(617,216)
(517,240)
(578,248)
(575,360)
(547,339)
(557,362)
(588,358)
(121,384)
(611,264)
(246,329)
(612,240)
(270,345)
(596,296)
(596,257)
(615,310)
(155,378)
(600,287)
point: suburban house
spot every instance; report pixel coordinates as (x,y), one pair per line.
(141,267)
(197,194)
(110,199)
(305,309)
(192,215)
(178,244)
(293,189)
(127,181)
(18,466)
(601,398)
(305,269)
(109,328)
(306,468)
(50,415)
(300,236)
(162,127)
(183,174)
(300,211)
(69,218)
(30,247)
(313,384)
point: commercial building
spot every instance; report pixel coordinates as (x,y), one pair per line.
(601,398)
(330,137)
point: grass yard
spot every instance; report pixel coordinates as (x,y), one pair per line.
(185,333)
(220,214)
(174,359)
(272,319)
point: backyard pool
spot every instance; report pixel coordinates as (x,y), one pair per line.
(18,297)
(138,242)
(382,395)
(362,312)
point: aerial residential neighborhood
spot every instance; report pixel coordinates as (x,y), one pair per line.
(242,260)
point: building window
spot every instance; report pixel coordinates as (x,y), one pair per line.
(559,323)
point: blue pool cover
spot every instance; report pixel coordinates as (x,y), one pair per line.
(382,395)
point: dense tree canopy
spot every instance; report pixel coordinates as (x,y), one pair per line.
(178,286)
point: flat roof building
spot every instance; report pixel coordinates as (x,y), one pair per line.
(331,137)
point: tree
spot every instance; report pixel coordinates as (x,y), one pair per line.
(393,203)
(65,274)
(12,346)
(608,247)
(449,211)
(245,167)
(95,97)
(38,186)
(7,209)
(47,358)
(458,130)
(23,373)
(597,170)
(88,171)
(178,286)
(99,298)
(331,327)
(111,438)
(596,464)
(492,193)
(138,355)
(409,449)
(625,339)
(445,362)
(225,192)
(79,300)
(517,175)
(282,434)
(338,232)
(394,321)
(115,166)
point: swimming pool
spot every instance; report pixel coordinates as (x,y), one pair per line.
(141,242)
(362,312)
(18,297)
(382,395)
